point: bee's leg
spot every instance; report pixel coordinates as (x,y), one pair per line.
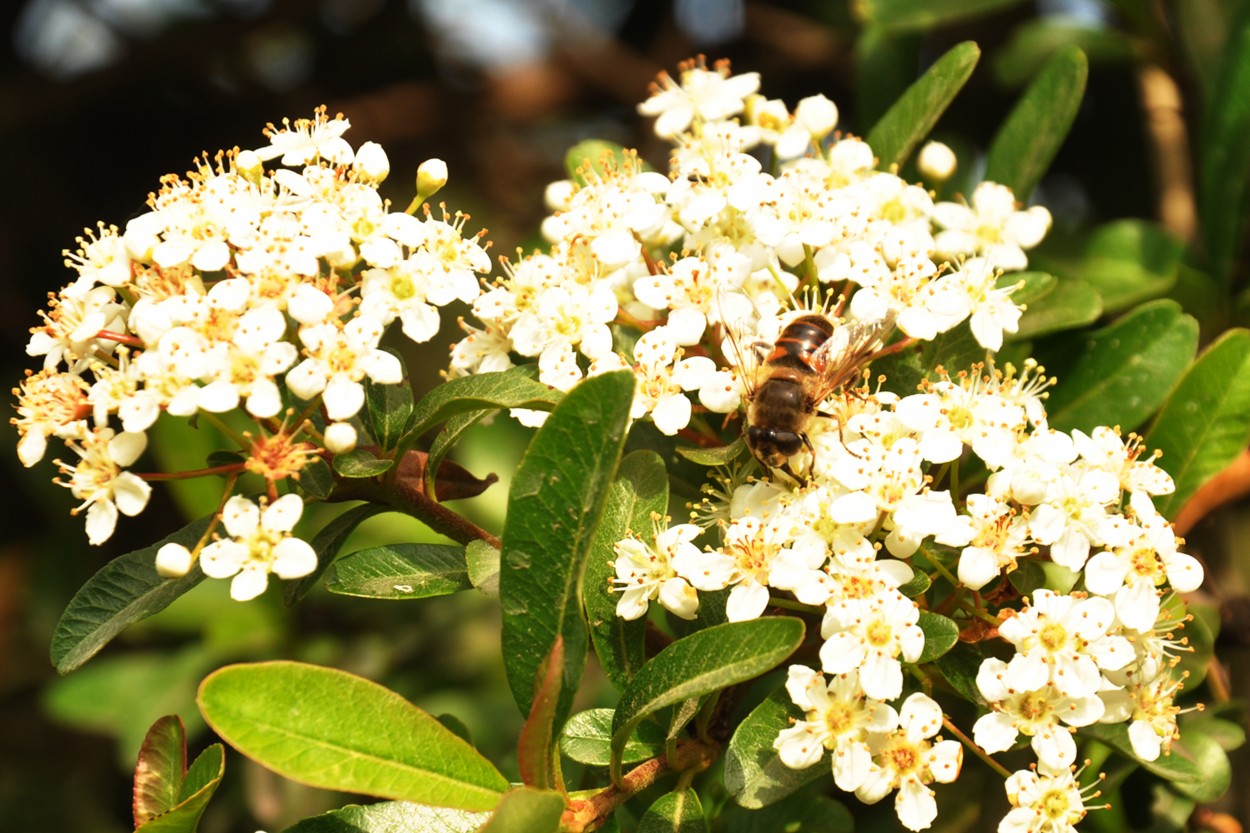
(808,443)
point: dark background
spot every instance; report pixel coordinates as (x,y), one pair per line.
(99,99)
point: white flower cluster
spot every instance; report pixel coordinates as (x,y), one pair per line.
(679,276)
(240,288)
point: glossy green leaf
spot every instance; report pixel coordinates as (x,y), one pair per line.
(126,590)
(914,114)
(718,456)
(316,480)
(536,745)
(392,817)
(453,430)
(326,545)
(805,813)
(587,738)
(483,391)
(940,635)
(1028,286)
(703,662)
(160,768)
(361,462)
(482,563)
(596,154)
(388,412)
(200,783)
(1027,577)
(526,810)
(1123,372)
(290,718)
(912,15)
(675,812)
(1197,766)
(959,666)
(885,66)
(400,571)
(1029,138)
(1130,262)
(754,774)
(557,497)
(639,491)
(1225,157)
(1205,422)
(1034,42)
(1069,305)
(917,584)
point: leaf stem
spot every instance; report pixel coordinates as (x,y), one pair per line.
(411,501)
(228,468)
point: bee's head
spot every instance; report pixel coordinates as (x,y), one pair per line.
(772,447)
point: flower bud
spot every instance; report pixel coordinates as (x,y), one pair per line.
(173,561)
(818,115)
(431,177)
(340,437)
(936,162)
(371,163)
(249,164)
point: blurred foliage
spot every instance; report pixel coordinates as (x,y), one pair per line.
(100,99)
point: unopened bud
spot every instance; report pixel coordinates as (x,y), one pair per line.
(340,437)
(936,162)
(173,561)
(558,195)
(249,164)
(431,177)
(371,163)
(818,115)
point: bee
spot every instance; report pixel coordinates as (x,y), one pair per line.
(806,364)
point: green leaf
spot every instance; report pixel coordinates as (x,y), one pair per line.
(598,155)
(917,584)
(885,65)
(718,456)
(703,662)
(388,412)
(1197,766)
(675,812)
(1028,140)
(587,738)
(360,463)
(909,15)
(755,777)
(482,561)
(1124,371)
(526,810)
(316,480)
(483,391)
(453,429)
(914,114)
(1029,286)
(1027,577)
(198,787)
(159,771)
(1205,422)
(1129,262)
(804,813)
(959,666)
(326,545)
(392,817)
(400,571)
(940,635)
(639,491)
(1225,157)
(555,502)
(290,718)
(536,746)
(1035,41)
(126,590)
(1069,305)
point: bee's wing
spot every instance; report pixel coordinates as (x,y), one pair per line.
(852,345)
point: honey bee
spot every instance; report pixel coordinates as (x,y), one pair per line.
(806,364)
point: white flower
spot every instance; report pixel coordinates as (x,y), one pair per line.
(1149,707)
(991,227)
(664,378)
(260,543)
(972,291)
(839,717)
(339,357)
(645,572)
(872,635)
(709,95)
(1047,800)
(1000,535)
(307,140)
(100,483)
(743,563)
(1064,640)
(1104,449)
(905,760)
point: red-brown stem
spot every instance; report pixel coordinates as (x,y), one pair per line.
(228,468)
(411,501)
(120,338)
(591,812)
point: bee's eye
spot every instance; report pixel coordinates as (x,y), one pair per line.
(787,442)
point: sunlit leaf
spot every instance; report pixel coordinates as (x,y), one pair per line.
(198,787)
(160,768)
(400,571)
(587,738)
(940,635)
(483,391)
(1069,305)
(392,817)
(675,812)
(754,774)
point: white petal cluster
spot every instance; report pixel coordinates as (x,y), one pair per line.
(241,288)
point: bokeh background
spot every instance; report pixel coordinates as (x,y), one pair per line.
(99,98)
